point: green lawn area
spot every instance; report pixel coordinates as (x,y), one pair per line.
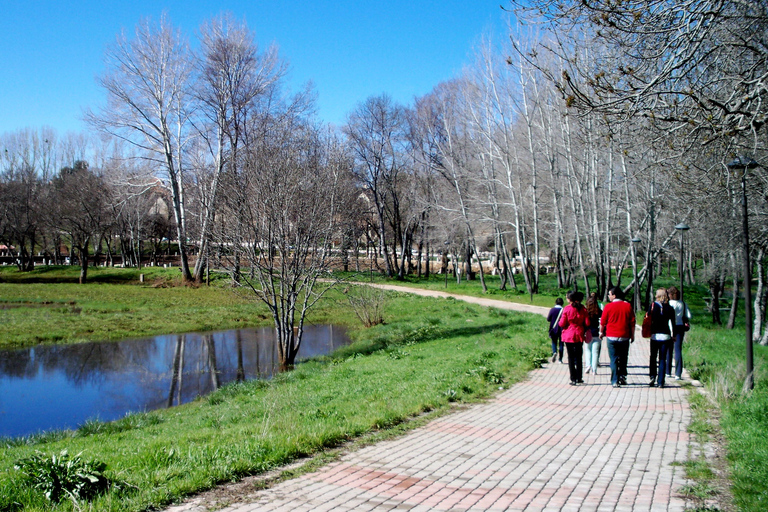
(428,355)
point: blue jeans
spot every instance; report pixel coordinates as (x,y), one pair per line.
(659,350)
(618,351)
(555,342)
(592,351)
(664,347)
(677,352)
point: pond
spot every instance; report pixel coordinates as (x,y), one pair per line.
(60,387)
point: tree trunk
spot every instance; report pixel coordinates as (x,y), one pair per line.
(759,304)
(735,303)
(714,293)
(83,251)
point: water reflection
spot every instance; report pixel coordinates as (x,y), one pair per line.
(56,387)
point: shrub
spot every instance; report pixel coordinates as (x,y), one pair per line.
(368,303)
(60,476)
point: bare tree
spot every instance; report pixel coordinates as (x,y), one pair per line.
(234,76)
(147,80)
(376,134)
(28,160)
(452,133)
(79,208)
(290,204)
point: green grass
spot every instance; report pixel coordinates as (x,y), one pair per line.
(716,356)
(428,354)
(47,306)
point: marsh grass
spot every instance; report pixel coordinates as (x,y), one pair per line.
(430,353)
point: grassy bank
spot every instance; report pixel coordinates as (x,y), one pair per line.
(716,356)
(429,354)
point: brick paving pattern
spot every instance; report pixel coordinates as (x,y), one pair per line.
(541,445)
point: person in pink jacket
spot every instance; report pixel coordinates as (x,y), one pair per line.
(574,322)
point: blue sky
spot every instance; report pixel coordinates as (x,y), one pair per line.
(51,51)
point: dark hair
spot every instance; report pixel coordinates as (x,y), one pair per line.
(575,296)
(673,293)
(617,292)
(559,301)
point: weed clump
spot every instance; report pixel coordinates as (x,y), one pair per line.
(62,476)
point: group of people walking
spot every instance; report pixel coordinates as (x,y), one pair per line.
(581,328)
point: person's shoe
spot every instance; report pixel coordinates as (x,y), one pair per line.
(589,370)
(616,385)
(580,381)
(652,381)
(554,357)
(669,375)
(573,383)
(562,362)
(677,378)
(622,381)
(652,384)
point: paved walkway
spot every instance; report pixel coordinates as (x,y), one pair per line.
(540,445)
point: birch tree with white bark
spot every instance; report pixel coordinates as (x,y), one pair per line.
(147,80)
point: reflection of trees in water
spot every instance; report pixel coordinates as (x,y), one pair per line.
(177,373)
(82,363)
(212,368)
(206,362)
(165,370)
(240,374)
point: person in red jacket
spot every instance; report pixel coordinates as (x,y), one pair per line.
(617,326)
(574,322)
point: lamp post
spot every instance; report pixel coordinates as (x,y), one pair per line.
(635,241)
(682,228)
(744,163)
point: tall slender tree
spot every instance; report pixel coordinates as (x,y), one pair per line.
(149,104)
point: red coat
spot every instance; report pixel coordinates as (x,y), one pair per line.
(574,322)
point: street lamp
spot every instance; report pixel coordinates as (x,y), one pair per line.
(682,228)
(635,241)
(746,163)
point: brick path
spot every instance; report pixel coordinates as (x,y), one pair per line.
(540,445)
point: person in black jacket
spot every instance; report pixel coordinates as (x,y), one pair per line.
(662,322)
